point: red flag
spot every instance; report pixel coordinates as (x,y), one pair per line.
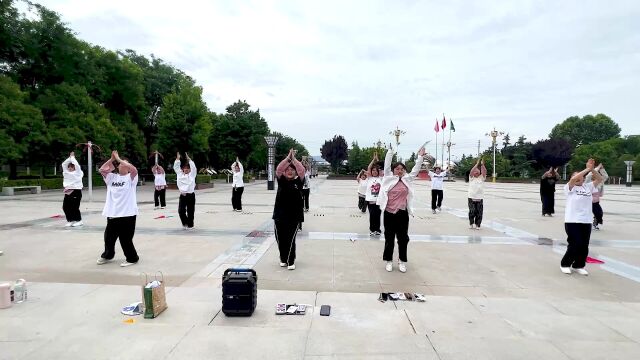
(437,127)
(444,122)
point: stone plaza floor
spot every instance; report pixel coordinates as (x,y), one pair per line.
(494,293)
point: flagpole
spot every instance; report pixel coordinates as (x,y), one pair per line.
(442,154)
(435,159)
(449,144)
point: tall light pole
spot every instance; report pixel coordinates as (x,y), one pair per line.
(271,156)
(629,164)
(89,147)
(397,132)
(494,134)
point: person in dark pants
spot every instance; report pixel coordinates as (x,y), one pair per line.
(72,183)
(362,190)
(374,183)
(547,191)
(306,187)
(477,176)
(396,198)
(437,185)
(186,180)
(577,219)
(160,183)
(287,210)
(120,209)
(238,185)
(596,208)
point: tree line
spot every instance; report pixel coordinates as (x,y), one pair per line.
(57,91)
(570,143)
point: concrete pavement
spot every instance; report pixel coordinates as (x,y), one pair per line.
(495,293)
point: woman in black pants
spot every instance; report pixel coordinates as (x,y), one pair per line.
(547,191)
(288,208)
(238,185)
(577,219)
(396,198)
(72,183)
(374,183)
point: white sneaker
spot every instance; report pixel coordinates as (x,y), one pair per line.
(126,263)
(581,271)
(472,226)
(565,270)
(402,267)
(156,207)
(389,266)
(77,223)
(68,224)
(102,261)
(439,210)
(161,207)
(184,227)
(434,211)
(291,267)
(283,264)
(372,233)
(378,233)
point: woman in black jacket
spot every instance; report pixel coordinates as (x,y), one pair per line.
(547,191)
(288,209)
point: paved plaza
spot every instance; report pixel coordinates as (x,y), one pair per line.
(494,293)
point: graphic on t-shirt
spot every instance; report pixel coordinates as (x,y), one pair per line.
(375,189)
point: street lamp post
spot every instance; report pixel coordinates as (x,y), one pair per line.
(629,164)
(397,132)
(271,155)
(494,134)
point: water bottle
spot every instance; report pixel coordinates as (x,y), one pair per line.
(20,289)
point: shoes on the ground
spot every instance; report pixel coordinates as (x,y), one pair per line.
(291,267)
(126,263)
(434,211)
(565,270)
(581,271)
(543,214)
(306,210)
(156,207)
(596,227)
(439,209)
(378,233)
(161,207)
(77,223)
(550,215)
(190,228)
(477,227)
(402,266)
(472,226)
(185,227)
(102,261)
(372,233)
(283,264)
(68,224)
(389,266)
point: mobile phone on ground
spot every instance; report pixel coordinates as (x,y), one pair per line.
(325,310)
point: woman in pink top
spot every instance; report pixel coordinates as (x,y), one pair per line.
(396,199)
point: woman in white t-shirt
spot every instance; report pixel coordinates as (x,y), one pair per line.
(475,195)
(362,190)
(72,183)
(238,185)
(374,183)
(306,186)
(437,184)
(120,209)
(160,183)
(186,172)
(577,219)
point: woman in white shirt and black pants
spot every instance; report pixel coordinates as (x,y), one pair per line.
(160,183)
(374,183)
(238,185)
(120,209)
(186,180)
(437,181)
(72,182)
(396,199)
(577,219)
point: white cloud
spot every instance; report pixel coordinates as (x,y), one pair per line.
(360,69)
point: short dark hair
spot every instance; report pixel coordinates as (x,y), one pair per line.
(395,165)
(184,165)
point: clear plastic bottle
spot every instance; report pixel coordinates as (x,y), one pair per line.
(20,289)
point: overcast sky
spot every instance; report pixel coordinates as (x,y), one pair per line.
(361,68)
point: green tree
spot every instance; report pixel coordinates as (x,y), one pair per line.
(22,129)
(586,130)
(552,152)
(335,151)
(184,124)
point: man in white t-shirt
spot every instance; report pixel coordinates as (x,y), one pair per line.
(437,186)
(120,209)
(577,219)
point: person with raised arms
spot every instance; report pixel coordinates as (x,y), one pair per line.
(374,183)
(186,181)
(437,185)
(475,200)
(120,209)
(238,185)
(578,218)
(72,182)
(548,190)
(288,209)
(396,198)
(160,184)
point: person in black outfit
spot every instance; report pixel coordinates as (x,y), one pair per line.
(288,208)
(547,191)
